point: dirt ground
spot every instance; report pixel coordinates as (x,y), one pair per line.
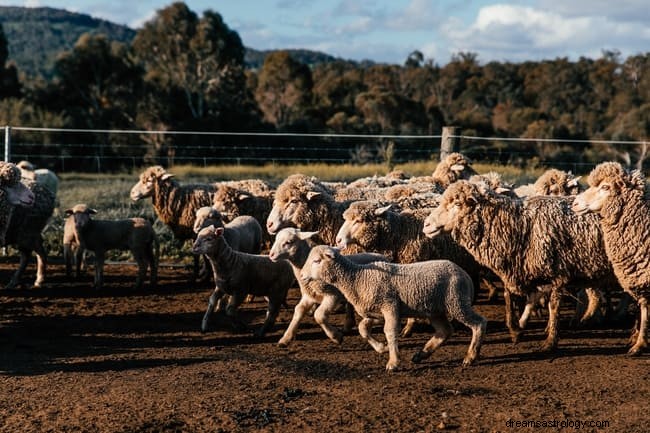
(78,360)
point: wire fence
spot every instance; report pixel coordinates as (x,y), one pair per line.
(96,150)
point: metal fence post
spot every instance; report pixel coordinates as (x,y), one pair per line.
(449,142)
(7,143)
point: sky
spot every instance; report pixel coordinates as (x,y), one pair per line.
(387,31)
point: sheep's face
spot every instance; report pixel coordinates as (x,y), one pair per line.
(80,214)
(458,200)
(316,266)
(287,243)
(228,201)
(148,179)
(207,240)
(606,182)
(593,199)
(17,194)
(288,209)
(361,224)
(207,216)
(557,183)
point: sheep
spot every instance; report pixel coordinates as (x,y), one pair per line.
(438,290)
(72,251)
(294,245)
(453,167)
(44,176)
(303,202)
(174,204)
(238,274)
(618,197)
(537,243)
(243,233)
(24,231)
(552,182)
(12,193)
(133,234)
(232,202)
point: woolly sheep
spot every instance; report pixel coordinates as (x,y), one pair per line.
(99,236)
(239,274)
(438,290)
(453,167)
(24,231)
(552,182)
(294,245)
(539,243)
(618,197)
(303,202)
(243,233)
(175,204)
(12,193)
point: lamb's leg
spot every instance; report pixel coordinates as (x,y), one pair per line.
(328,305)
(152,259)
(641,342)
(41,264)
(272,312)
(408,327)
(350,319)
(79,259)
(391,331)
(550,343)
(214,298)
(443,331)
(232,311)
(99,269)
(15,279)
(513,327)
(67,259)
(523,320)
(142,269)
(299,312)
(478,325)
(365,330)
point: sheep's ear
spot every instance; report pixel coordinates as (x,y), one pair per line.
(218,230)
(306,235)
(502,190)
(166,176)
(68,212)
(242,197)
(457,167)
(573,182)
(330,252)
(312,195)
(382,210)
(91,211)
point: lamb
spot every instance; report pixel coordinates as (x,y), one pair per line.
(174,204)
(243,233)
(44,176)
(539,243)
(133,234)
(238,274)
(618,197)
(72,251)
(294,245)
(12,193)
(438,290)
(24,231)
(303,202)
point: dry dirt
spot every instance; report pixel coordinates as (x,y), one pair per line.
(78,360)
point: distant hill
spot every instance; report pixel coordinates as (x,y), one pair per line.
(36,36)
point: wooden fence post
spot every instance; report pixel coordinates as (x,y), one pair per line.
(450,141)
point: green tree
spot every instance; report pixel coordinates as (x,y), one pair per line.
(9,84)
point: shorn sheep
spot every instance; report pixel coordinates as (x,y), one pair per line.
(619,197)
(175,204)
(239,274)
(243,233)
(99,236)
(438,290)
(12,193)
(539,243)
(44,176)
(24,231)
(232,202)
(294,245)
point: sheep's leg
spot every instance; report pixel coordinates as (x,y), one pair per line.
(67,259)
(214,298)
(321,314)
(232,311)
(408,327)
(391,331)
(443,331)
(523,320)
(152,258)
(41,264)
(593,304)
(15,279)
(513,327)
(365,330)
(641,342)
(299,312)
(621,309)
(79,260)
(550,343)
(350,319)
(272,312)
(142,269)
(478,325)
(99,269)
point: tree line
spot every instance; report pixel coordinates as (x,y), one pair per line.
(185,72)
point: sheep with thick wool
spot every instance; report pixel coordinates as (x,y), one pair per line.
(438,290)
(539,243)
(294,245)
(619,198)
(12,193)
(239,274)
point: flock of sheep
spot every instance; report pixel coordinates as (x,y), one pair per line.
(390,248)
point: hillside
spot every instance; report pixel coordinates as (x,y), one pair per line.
(36,36)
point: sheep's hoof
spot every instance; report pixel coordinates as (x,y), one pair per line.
(548,347)
(514,336)
(636,350)
(283,344)
(468,361)
(417,358)
(337,338)
(390,367)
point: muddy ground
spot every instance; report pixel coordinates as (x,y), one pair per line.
(78,360)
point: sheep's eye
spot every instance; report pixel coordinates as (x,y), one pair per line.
(604,187)
(317,261)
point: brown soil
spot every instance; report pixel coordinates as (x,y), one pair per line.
(78,360)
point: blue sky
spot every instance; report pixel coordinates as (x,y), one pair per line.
(388,30)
